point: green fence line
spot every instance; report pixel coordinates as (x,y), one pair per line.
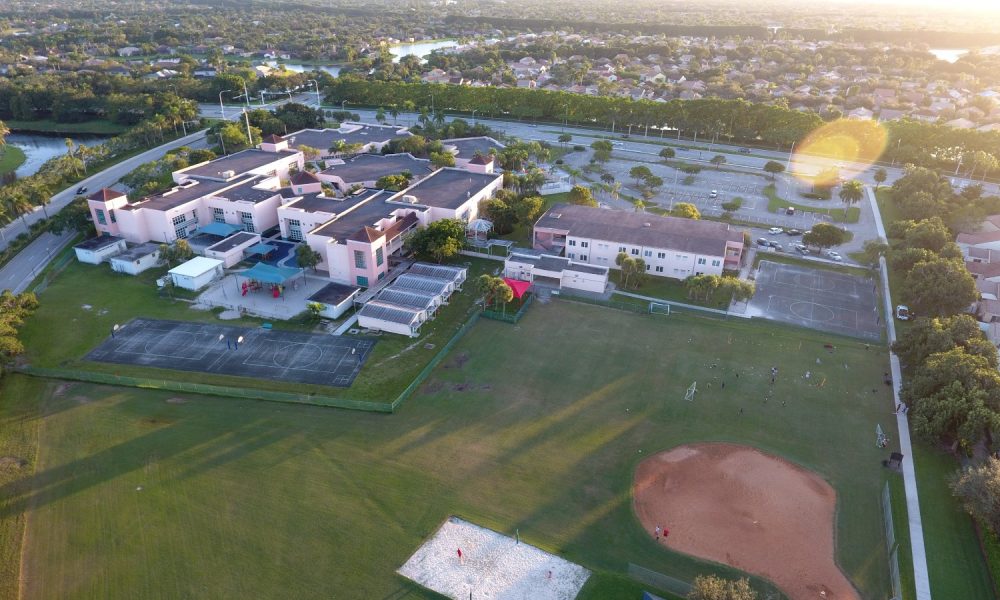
(434,362)
(207,389)
(508,317)
(626,306)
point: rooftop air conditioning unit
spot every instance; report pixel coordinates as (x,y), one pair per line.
(410,199)
(228,174)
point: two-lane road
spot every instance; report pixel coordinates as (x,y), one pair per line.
(106,178)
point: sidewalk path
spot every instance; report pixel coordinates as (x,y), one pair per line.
(920,578)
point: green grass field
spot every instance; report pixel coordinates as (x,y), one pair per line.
(537,427)
(11,157)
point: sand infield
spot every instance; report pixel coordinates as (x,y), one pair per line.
(738,506)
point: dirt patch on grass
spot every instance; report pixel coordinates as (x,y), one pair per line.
(12,463)
(433,387)
(459,361)
(738,506)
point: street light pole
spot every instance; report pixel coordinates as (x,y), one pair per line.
(316,85)
(246,94)
(246,118)
(788,163)
(222,107)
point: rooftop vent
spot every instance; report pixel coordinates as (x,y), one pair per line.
(228,174)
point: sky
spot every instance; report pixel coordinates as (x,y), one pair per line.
(951,5)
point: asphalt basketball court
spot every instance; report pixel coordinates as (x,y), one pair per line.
(818,299)
(263,354)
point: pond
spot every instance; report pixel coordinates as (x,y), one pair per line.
(40,148)
(333,70)
(420,49)
(949,54)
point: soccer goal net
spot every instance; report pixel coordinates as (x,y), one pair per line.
(657,308)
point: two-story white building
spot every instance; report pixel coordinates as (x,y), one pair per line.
(670,246)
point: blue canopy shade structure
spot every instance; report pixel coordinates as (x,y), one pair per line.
(220,229)
(263,249)
(269,274)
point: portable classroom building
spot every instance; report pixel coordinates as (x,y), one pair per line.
(196,273)
(99,249)
(136,259)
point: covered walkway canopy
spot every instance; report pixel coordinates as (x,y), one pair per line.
(220,229)
(262,249)
(265,273)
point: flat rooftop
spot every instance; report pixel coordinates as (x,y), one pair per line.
(180,195)
(245,192)
(449,188)
(234,240)
(240,162)
(137,252)
(370,211)
(556,263)
(467,147)
(641,229)
(370,167)
(352,133)
(334,293)
(99,242)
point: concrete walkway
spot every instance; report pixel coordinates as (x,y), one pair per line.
(920,578)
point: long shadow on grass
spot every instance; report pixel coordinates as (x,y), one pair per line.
(167,440)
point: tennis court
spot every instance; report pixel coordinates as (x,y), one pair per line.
(262,353)
(818,299)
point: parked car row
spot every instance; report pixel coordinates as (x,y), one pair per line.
(777,230)
(800,248)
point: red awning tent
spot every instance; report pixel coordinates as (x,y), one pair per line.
(520,288)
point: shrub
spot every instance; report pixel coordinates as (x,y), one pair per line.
(579,148)
(733,204)
(559,161)
(822,194)
(689,180)
(692,169)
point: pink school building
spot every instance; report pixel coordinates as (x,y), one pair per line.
(354,234)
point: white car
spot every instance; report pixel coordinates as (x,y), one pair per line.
(903,312)
(775,230)
(714,194)
(834,256)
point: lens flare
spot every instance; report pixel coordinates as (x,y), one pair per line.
(838,151)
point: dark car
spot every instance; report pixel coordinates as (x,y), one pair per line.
(763,242)
(793,232)
(744,150)
(776,246)
(81,190)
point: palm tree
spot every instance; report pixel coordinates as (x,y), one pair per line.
(69,146)
(394,111)
(4,132)
(18,205)
(851,192)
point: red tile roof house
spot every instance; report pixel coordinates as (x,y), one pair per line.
(671,246)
